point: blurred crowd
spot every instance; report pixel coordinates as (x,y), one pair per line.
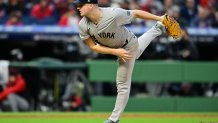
(190,13)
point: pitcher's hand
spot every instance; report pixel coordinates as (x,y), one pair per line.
(123,54)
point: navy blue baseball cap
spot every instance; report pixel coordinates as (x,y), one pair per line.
(77,2)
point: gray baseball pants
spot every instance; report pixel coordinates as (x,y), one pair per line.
(124,72)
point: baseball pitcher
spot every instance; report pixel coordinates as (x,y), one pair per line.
(104,31)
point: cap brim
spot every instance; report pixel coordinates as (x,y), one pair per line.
(79,2)
(76,2)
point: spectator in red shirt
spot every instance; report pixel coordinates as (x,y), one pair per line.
(11,96)
(61,6)
(14,19)
(70,18)
(42,10)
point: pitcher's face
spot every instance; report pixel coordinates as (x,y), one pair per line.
(84,9)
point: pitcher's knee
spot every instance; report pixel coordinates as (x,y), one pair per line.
(123,90)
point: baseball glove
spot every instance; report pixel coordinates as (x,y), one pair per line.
(173,28)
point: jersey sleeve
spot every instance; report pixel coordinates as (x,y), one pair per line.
(123,16)
(83,30)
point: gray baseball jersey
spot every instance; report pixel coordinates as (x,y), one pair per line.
(110,30)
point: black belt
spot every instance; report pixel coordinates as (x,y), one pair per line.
(125,43)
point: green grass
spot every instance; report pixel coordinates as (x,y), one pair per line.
(74,117)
